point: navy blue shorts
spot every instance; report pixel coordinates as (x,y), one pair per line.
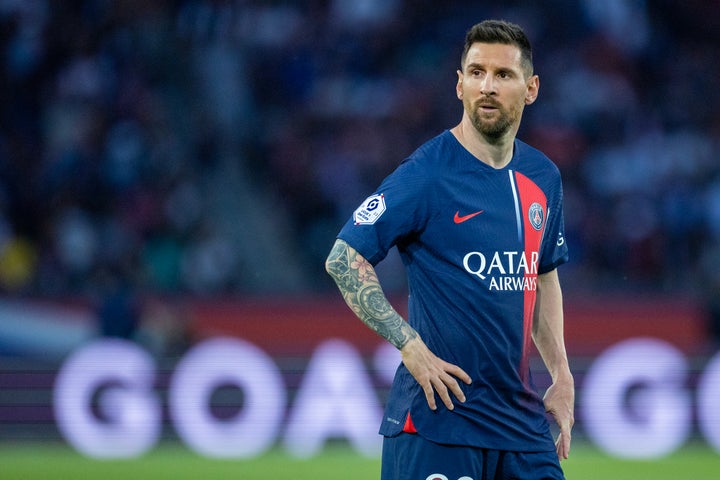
(411,457)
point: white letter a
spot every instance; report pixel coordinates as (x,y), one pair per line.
(335,400)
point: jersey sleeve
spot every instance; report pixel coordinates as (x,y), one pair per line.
(394,211)
(554,250)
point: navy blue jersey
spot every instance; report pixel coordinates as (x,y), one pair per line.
(473,240)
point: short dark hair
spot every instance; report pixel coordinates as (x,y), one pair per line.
(500,31)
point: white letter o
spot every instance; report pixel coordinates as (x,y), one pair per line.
(219,362)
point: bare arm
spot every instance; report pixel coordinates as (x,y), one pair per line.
(360,287)
(548,336)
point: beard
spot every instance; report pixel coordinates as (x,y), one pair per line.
(495,128)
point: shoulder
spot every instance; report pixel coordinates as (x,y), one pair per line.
(535,163)
(534,156)
(432,152)
(427,161)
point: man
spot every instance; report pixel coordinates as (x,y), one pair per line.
(477,218)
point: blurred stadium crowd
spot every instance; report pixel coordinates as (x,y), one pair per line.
(216,147)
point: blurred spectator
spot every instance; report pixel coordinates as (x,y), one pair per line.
(119,308)
(214,147)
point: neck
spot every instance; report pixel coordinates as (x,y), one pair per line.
(497,153)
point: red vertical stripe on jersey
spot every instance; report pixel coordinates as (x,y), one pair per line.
(529,193)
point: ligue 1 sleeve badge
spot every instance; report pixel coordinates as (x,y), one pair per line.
(536,215)
(371,209)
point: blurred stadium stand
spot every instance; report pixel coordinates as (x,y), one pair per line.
(214,147)
(159,158)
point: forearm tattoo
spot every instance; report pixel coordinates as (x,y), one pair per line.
(360,287)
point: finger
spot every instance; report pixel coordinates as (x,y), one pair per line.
(563,450)
(566,447)
(458,372)
(444,393)
(430,396)
(454,387)
(559,448)
(562,445)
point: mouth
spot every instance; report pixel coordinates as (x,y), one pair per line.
(488,106)
(487,110)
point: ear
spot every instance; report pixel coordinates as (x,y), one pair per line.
(533,88)
(458,86)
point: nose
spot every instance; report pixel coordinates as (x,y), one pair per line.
(487,87)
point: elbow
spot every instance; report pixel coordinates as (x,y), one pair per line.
(336,258)
(328,265)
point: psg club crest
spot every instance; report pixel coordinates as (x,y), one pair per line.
(536,215)
(370,210)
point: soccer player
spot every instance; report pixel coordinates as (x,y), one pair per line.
(476,215)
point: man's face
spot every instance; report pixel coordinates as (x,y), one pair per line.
(494,89)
